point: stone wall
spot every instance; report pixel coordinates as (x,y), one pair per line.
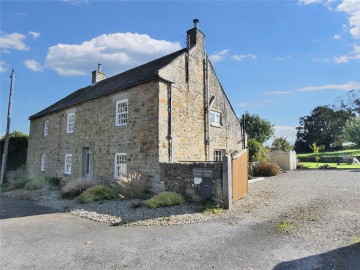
(145,139)
(178,177)
(95,129)
(226,137)
(188,123)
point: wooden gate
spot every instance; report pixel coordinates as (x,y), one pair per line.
(240,175)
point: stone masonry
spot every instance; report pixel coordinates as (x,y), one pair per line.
(166,124)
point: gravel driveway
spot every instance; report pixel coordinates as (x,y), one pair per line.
(297,220)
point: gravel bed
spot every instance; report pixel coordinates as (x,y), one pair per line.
(321,204)
(118,212)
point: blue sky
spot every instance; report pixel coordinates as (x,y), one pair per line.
(277,59)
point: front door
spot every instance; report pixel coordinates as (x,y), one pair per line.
(86,168)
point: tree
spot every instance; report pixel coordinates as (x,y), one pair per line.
(351,102)
(324,126)
(257,152)
(257,128)
(316,150)
(352,130)
(18,143)
(282,144)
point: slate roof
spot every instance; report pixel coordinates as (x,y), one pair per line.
(138,75)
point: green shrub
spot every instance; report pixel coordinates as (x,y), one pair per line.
(18,181)
(98,193)
(18,144)
(75,187)
(267,169)
(131,186)
(212,208)
(54,181)
(17,184)
(20,174)
(164,199)
(35,183)
(257,152)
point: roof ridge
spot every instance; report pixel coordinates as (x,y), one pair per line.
(129,78)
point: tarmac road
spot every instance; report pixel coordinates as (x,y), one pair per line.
(12,208)
(62,241)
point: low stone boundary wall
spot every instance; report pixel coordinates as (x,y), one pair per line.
(193,178)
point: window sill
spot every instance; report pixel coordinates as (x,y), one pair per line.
(215,125)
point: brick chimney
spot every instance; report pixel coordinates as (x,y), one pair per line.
(195,37)
(98,75)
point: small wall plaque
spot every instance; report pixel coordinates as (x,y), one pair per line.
(203,172)
(197,180)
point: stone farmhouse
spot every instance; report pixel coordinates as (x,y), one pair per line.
(170,110)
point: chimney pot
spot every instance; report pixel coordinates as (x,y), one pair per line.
(195,21)
(97,75)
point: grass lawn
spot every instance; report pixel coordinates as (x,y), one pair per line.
(312,165)
(352,152)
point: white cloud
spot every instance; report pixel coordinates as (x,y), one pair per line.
(33,34)
(33,65)
(337,37)
(75,2)
(241,57)
(318,59)
(326,3)
(21,14)
(352,7)
(309,2)
(351,85)
(117,52)
(13,41)
(282,58)
(258,103)
(2,67)
(278,93)
(353,55)
(219,56)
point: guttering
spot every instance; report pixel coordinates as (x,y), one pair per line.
(169,136)
(207,107)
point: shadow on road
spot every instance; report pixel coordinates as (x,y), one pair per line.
(13,208)
(342,258)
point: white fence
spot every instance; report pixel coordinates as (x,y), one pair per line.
(286,160)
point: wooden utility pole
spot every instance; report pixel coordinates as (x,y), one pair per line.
(7,135)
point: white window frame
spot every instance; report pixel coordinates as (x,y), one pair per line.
(70,124)
(121,112)
(215,118)
(68,164)
(43,163)
(218,155)
(46,128)
(120,164)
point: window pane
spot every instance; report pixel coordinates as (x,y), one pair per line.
(120,165)
(121,113)
(215,118)
(70,123)
(217,155)
(46,128)
(67,166)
